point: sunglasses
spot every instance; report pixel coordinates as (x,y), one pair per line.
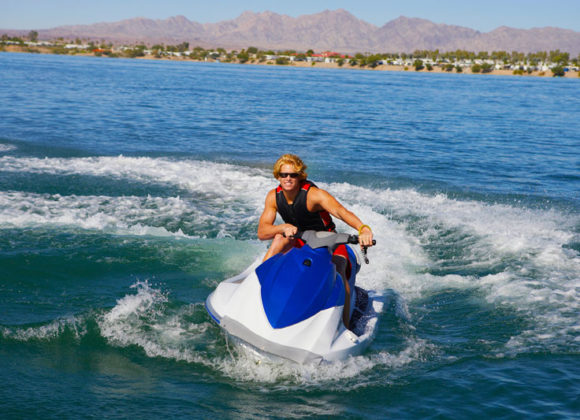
(288,174)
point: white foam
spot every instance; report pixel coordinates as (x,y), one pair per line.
(46,332)
(127,215)
(219,181)
(246,365)
(121,215)
(143,319)
(6,148)
(540,277)
(220,195)
(529,268)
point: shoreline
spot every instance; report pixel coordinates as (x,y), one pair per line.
(302,64)
(569,75)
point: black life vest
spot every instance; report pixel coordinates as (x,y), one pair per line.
(297,213)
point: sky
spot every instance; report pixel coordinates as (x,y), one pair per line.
(482,15)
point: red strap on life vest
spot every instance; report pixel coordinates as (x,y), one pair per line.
(325,216)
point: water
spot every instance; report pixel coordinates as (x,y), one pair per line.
(129,189)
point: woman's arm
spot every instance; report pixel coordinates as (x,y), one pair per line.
(321,200)
(266,227)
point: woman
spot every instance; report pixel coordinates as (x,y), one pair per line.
(304,206)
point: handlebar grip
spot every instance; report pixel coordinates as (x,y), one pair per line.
(353,239)
(297,235)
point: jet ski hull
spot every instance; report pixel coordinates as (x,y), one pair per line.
(237,306)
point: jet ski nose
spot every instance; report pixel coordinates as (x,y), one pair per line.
(297,285)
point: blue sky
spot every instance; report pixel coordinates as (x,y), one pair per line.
(483,15)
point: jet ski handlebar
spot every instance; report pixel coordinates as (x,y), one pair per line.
(329,240)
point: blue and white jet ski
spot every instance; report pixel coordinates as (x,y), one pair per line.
(291,305)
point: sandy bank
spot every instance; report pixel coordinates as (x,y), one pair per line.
(304,64)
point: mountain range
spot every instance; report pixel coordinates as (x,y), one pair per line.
(336,30)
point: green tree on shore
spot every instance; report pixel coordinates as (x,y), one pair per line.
(243,57)
(558,71)
(559,57)
(500,56)
(418,64)
(486,68)
(137,51)
(373,60)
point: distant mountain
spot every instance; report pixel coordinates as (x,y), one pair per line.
(408,34)
(338,30)
(173,29)
(530,40)
(328,30)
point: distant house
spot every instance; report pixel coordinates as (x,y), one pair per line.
(39,44)
(318,58)
(77,46)
(326,57)
(332,54)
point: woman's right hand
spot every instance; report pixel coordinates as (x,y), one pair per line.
(289,230)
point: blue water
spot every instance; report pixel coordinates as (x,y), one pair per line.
(129,189)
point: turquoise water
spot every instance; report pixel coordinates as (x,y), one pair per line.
(129,189)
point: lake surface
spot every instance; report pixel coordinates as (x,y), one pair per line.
(129,189)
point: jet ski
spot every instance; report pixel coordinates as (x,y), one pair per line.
(291,305)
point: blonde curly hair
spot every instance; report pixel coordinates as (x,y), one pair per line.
(290,159)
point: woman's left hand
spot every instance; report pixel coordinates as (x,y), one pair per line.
(365,238)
